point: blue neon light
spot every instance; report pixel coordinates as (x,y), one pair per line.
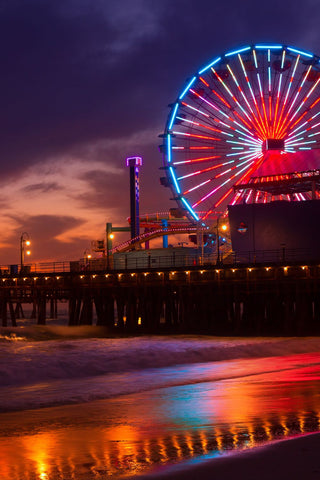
(174,180)
(173,116)
(269,46)
(187,88)
(234,52)
(195,216)
(169,148)
(300,52)
(210,65)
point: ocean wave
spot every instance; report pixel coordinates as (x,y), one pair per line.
(29,362)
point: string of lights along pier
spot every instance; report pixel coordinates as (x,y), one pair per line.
(253,111)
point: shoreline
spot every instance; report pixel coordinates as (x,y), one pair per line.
(293,458)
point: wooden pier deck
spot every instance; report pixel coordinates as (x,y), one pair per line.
(229,300)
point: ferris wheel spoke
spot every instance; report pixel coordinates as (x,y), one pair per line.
(249,122)
(287,95)
(205,170)
(286,122)
(259,123)
(302,104)
(196,160)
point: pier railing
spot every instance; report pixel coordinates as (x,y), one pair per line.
(149,261)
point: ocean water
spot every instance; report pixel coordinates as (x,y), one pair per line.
(76,405)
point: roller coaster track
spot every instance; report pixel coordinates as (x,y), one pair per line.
(145,237)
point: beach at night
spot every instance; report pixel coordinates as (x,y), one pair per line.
(159,246)
(92,408)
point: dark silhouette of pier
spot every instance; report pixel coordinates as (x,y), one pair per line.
(233,299)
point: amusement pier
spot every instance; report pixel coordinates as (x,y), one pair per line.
(241,159)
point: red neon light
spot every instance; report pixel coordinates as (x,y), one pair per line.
(203,81)
(221,98)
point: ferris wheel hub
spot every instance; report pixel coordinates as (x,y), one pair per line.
(273,144)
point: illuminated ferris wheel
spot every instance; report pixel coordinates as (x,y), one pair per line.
(251,112)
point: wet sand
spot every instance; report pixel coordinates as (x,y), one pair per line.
(293,459)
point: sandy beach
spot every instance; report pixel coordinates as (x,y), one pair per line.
(293,459)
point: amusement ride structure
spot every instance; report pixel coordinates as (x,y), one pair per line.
(251,112)
(244,129)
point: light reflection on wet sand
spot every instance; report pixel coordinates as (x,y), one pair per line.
(133,433)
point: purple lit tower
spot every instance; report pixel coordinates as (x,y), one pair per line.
(134,163)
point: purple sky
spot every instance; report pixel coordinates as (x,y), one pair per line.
(85,83)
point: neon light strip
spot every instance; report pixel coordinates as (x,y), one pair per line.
(303,143)
(196,136)
(203,81)
(237,51)
(278,97)
(275,47)
(224,197)
(233,98)
(217,176)
(299,90)
(252,141)
(287,94)
(261,126)
(169,147)
(221,113)
(193,161)
(197,186)
(216,60)
(234,201)
(198,172)
(196,109)
(173,116)
(261,92)
(302,103)
(204,126)
(187,88)
(241,153)
(221,98)
(220,186)
(248,197)
(285,123)
(300,52)
(303,124)
(195,216)
(241,179)
(239,88)
(246,143)
(174,180)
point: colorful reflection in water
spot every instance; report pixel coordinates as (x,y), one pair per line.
(133,433)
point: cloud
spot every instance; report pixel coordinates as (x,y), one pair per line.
(41,188)
(47,234)
(85,84)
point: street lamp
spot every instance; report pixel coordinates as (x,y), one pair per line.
(87,256)
(223,227)
(24,242)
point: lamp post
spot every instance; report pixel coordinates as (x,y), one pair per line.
(87,256)
(24,242)
(223,228)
